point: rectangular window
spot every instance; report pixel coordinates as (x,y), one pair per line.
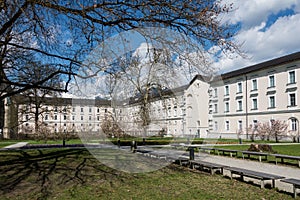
(65,117)
(226,90)
(216,108)
(46,117)
(292,99)
(81,109)
(73,117)
(227,126)
(240,125)
(227,107)
(90,117)
(74,109)
(254,104)
(292,77)
(294,124)
(272,102)
(255,124)
(240,105)
(254,84)
(216,126)
(55,117)
(98,110)
(239,88)
(175,111)
(81,118)
(272,81)
(216,92)
(90,110)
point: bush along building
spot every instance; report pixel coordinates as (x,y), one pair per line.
(258,101)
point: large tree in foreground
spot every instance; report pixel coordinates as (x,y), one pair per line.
(61,33)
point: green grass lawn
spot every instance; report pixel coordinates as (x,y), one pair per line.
(76,174)
(292,149)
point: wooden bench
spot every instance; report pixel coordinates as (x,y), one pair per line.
(175,146)
(157,154)
(207,149)
(181,160)
(254,174)
(143,151)
(282,157)
(295,183)
(259,154)
(212,167)
(230,151)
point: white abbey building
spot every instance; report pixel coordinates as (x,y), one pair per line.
(221,106)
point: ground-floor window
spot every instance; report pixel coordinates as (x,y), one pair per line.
(294,124)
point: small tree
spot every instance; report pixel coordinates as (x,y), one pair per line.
(110,127)
(275,128)
(253,132)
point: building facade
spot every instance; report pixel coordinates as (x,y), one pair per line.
(227,106)
(267,91)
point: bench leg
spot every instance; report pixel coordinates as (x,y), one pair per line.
(192,166)
(262,184)
(295,191)
(273,183)
(298,163)
(259,158)
(276,161)
(212,171)
(230,154)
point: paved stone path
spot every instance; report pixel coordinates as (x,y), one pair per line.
(15,146)
(286,171)
(281,170)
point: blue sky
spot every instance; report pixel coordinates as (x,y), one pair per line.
(269,29)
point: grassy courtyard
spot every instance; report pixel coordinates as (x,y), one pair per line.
(76,174)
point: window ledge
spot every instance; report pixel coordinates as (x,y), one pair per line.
(289,84)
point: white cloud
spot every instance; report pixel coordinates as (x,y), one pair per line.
(253,12)
(279,39)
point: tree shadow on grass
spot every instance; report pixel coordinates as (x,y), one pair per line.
(41,172)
